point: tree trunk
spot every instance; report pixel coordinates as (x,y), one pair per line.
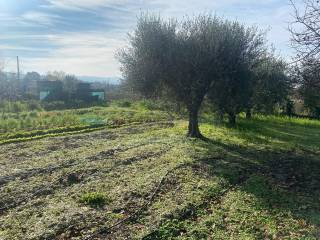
(178,108)
(248,114)
(232,119)
(220,115)
(193,130)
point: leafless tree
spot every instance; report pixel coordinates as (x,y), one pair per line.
(305,29)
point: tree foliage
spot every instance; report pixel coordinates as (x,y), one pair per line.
(244,50)
(204,56)
(305,31)
(70,83)
(183,57)
(31,76)
(307,76)
(10,87)
(272,86)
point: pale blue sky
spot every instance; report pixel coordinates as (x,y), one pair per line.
(81,36)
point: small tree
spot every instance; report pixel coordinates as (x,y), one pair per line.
(70,83)
(308,81)
(184,57)
(10,88)
(272,85)
(55,76)
(3,83)
(305,31)
(244,49)
(29,84)
(31,76)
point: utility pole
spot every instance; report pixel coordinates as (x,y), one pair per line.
(18,69)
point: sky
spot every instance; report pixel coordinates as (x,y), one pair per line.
(81,37)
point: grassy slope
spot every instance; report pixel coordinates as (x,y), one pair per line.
(258,181)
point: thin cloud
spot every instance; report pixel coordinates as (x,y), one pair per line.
(40,18)
(78,5)
(89,53)
(81,36)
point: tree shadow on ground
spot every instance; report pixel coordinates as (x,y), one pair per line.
(306,136)
(290,180)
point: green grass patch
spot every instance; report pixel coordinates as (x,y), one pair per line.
(29,125)
(94,199)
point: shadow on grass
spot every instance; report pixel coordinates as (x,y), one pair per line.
(282,181)
(304,135)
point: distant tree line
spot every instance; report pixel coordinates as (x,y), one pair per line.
(14,89)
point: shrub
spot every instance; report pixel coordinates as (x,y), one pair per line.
(12,124)
(147,104)
(55,105)
(123,103)
(33,114)
(19,107)
(94,199)
(34,105)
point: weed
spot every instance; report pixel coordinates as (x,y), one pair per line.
(94,199)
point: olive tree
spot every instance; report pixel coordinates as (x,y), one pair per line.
(272,85)
(244,50)
(307,76)
(182,57)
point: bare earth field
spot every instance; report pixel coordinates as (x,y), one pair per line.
(148,181)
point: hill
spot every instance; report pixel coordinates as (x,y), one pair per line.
(143,179)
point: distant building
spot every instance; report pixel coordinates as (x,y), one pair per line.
(53,90)
(99,94)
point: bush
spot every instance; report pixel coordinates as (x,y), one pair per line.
(123,103)
(75,104)
(20,106)
(159,105)
(34,105)
(94,199)
(56,105)
(147,104)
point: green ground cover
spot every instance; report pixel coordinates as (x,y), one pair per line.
(34,123)
(260,180)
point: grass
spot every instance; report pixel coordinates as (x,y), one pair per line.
(259,180)
(31,124)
